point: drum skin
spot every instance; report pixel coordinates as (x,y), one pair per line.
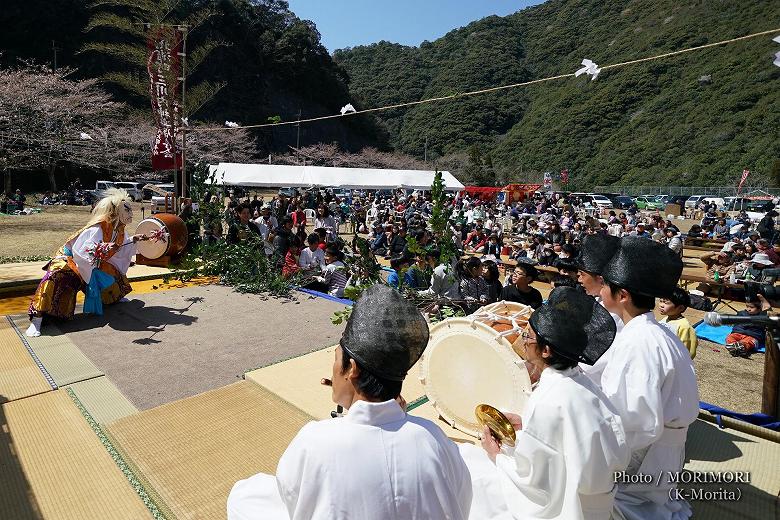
(467,364)
(177,236)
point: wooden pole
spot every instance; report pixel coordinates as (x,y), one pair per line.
(770,395)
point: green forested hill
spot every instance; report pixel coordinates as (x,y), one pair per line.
(652,123)
(267,61)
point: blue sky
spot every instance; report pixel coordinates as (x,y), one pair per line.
(348,23)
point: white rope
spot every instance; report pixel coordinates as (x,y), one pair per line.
(486,90)
(489,316)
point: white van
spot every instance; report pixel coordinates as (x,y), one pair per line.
(600,200)
(132,189)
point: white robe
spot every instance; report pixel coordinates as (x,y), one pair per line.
(375,463)
(565,458)
(87,239)
(650,380)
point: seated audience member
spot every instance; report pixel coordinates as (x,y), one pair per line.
(291,259)
(756,267)
(241,229)
(312,258)
(518,251)
(399,266)
(491,275)
(419,274)
(672,309)
(397,243)
(323,234)
(767,249)
(719,269)
(745,337)
(282,238)
(475,241)
(721,229)
(673,240)
(444,280)
(377,462)
(473,287)
(493,247)
(521,291)
(570,438)
(334,274)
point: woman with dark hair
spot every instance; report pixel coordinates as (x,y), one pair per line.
(473,287)
(491,276)
(570,440)
(326,221)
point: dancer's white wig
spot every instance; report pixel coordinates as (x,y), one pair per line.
(108,207)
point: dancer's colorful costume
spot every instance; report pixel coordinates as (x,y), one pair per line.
(94,260)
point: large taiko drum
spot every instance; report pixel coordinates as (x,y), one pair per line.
(176,239)
(467,363)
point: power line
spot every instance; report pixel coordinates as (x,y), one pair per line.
(486,90)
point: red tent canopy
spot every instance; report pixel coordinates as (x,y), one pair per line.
(519,192)
(485,193)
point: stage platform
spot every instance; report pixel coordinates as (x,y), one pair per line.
(151,417)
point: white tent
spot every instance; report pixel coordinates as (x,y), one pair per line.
(277,176)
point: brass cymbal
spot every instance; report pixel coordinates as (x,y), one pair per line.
(497,422)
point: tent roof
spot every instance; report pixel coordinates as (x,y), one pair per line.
(278,176)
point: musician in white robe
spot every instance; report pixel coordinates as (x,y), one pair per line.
(596,251)
(570,440)
(649,377)
(377,462)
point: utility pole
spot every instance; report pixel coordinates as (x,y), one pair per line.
(426,149)
(298,139)
(183,79)
(54,49)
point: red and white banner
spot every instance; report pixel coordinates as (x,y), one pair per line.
(565,176)
(166,46)
(745,174)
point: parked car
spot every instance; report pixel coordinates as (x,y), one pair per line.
(135,189)
(693,201)
(622,202)
(662,199)
(677,199)
(600,200)
(287,192)
(645,202)
(100,189)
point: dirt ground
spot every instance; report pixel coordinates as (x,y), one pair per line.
(44,233)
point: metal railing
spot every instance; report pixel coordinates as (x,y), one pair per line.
(711,191)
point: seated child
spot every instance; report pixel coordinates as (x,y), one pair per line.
(291,266)
(399,266)
(672,309)
(745,337)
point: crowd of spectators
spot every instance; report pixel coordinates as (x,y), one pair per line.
(301,234)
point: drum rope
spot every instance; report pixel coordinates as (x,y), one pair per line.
(485,316)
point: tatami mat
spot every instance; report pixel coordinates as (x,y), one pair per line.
(297,381)
(53,466)
(189,453)
(710,449)
(61,358)
(19,374)
(104,402)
